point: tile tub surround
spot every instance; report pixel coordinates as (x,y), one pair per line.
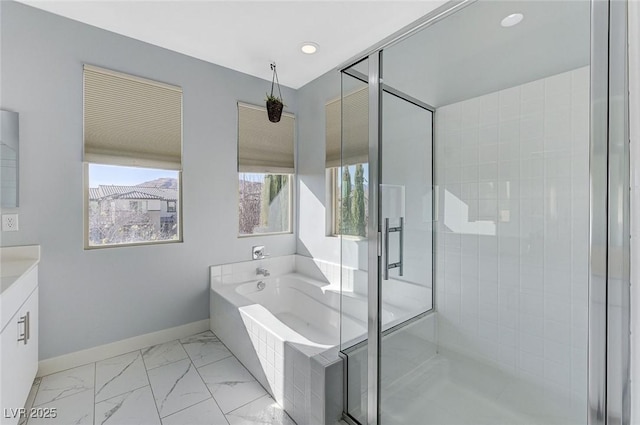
(512,242)
(167,384)
(302,375)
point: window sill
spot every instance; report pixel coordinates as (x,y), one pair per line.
(349,237)
(123,245)
(253,235)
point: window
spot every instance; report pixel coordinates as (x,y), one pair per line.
(133,159)
(347,152)
(265,172)
(136,206)
(265,203)
(350,199)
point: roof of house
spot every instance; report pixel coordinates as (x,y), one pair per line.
(94,193)
(132,192)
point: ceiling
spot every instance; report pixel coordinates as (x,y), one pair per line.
(247,35)
(470,54)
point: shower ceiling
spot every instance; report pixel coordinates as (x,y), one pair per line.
(472,54)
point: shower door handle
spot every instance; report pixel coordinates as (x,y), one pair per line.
(387,229)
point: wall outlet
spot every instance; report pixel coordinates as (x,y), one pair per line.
(10,222)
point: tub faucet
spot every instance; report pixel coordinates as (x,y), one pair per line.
(264,272)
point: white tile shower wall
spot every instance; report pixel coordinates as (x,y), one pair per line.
(353,279)
(277,266)
(323,271)
(512,255)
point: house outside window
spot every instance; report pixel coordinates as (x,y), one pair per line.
(121,214)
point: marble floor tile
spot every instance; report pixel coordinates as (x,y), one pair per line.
(76,409)
(260,412)
(119,375)
(205,348)
(177,386)
(66,383)
(230,383)
(163,354)
(204,413)
(133,408)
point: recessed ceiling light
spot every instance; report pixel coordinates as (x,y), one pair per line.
(309,47)
(511,20)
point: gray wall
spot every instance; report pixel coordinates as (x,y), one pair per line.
(312,190)
(88,298)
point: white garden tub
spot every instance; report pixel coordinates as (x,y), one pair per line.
(286,335)
(288,332)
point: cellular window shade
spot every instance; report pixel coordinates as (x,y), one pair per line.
(131,121)
(354,131)
(264,146)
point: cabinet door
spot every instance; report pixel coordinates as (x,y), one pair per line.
(19,360)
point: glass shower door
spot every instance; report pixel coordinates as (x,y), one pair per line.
(406,272)
(400,218)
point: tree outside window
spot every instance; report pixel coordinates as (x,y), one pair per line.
(264,203)
(351,200)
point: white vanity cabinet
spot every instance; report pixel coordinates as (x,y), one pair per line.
(18,337)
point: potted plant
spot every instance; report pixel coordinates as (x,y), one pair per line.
(274,107)
(274,103)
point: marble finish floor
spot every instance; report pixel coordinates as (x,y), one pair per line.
(192,381)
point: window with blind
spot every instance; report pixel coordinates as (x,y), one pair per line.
(265,172)
(347,157)
(133,159)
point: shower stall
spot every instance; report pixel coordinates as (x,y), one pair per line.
(495,260)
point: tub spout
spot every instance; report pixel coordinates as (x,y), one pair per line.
(264,272)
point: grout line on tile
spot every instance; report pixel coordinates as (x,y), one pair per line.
(62,398)
(216,361)
(121,394)
(153,396)
(166,364)
(208,389)
(248,371)
(257,398)
(117,375)
(67,369)
(95,372)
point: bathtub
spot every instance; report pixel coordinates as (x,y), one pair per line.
(288,333)
(306,311)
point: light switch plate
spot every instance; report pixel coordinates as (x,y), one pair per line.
(10,222)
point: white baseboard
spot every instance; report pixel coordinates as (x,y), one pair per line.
(101,352)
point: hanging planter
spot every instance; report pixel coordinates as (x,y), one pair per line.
(274,103)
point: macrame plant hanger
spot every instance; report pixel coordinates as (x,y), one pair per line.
(274,104)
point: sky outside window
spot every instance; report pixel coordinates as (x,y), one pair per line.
(125,176)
